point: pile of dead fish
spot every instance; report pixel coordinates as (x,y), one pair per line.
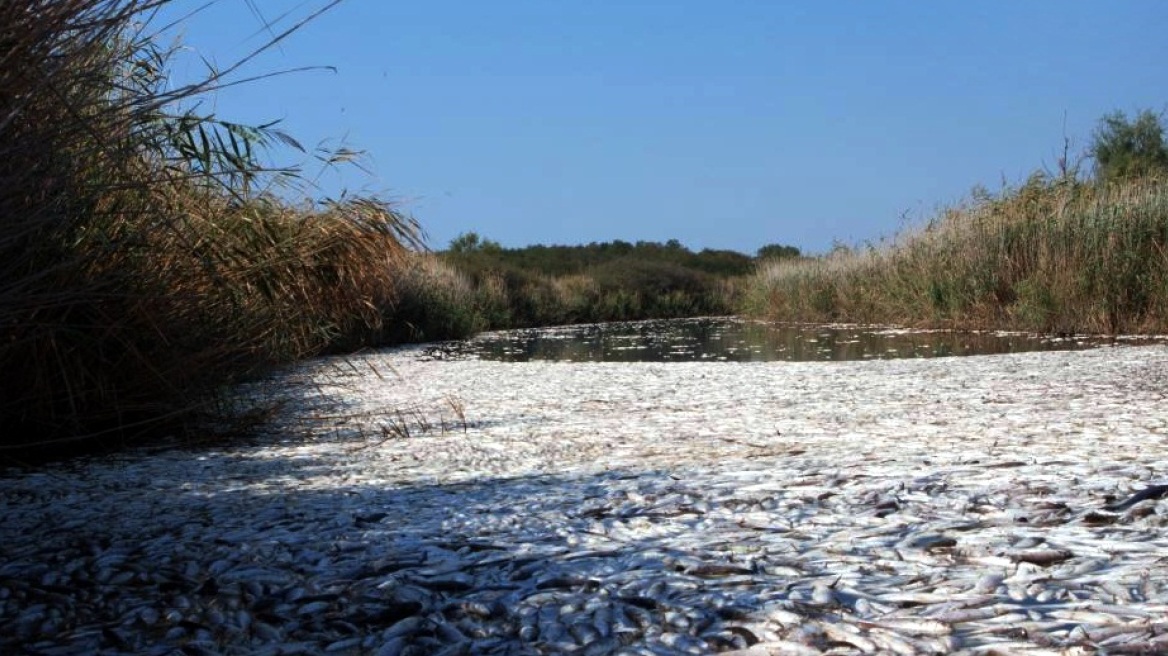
(871,522)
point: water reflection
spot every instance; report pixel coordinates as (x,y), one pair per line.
(739,340)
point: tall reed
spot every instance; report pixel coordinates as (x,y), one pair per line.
(140,273)
(1053,255)
(443,297)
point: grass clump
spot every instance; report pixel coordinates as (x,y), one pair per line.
(1053,255)
(140,271)
(434,301)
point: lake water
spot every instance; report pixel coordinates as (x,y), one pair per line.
(740,340)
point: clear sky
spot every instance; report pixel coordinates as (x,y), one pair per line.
(726,124)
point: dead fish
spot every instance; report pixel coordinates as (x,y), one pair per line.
(584,632)
(785,618)
(685,643)
(1041,557)
(969,614)
(822,594)
(912,626)
(931,543)
(1099,634)
(565,582)
(314,608)
(710,570)
(892,643)
(601,647)
(1150,492)
(343,645)
(1084,616)
(407,626)
(677,620)
(776,648)
(840,633)
(988,583)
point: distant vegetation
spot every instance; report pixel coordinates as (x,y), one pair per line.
(477,284)
(1066,252)
(1126,150)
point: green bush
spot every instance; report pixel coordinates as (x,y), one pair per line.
(1125,149)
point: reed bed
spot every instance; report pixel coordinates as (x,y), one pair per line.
(143,265)
(439,297)
(542,285)
(1054,255)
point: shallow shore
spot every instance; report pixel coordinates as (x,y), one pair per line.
(408,505)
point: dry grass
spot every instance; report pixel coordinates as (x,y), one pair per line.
(1054,255)
(139,271)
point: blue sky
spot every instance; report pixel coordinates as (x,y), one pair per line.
(722,124)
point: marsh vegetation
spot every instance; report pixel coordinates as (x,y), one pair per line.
(148,258)
(477,284)
(1053,255)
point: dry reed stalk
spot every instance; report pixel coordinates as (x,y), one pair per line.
(1051,256)
(139,277)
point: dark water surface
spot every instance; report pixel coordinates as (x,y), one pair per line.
(740,340)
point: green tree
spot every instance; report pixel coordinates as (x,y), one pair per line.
(470,242)
(777,251)
(1128,149)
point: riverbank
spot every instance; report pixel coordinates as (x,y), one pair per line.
(907,506)
(1055,255)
